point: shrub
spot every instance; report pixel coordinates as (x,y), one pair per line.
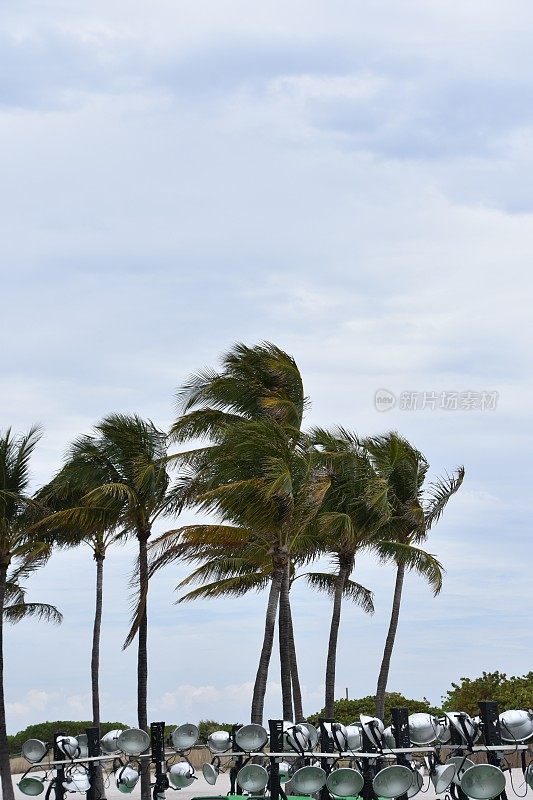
(45,732)
(513,692)
(347,711)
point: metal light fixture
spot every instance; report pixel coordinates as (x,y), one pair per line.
(388,738)
(34,750)
(184,736)
(211,771)
(425,729)
(461,764)
(393,781)
(483,782)
(133,742)
(345,782)
(516,725)
(31,785)
(77,780)
(181,775)
(284,769)
(464,725)
(338,734)
(109,742)
(354,737)
(417,783)
(442,776)
(253,778)
(219,741)
(308,780)
(251,738)
(126,779)
(69,746)
(296,737)
(528,775)
(373,727)
(83,745)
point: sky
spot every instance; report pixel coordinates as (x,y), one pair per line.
(349,180)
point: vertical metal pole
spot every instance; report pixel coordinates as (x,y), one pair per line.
(157,734)
(488,711)
(59,789)
(326,746)
(456,738)
(93,749)
(275,727)
(400,727)
(367,792)
(238,763)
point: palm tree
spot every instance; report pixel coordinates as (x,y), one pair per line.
(414,509)
(21,552)
(266,490)
(125,461)
(259,383)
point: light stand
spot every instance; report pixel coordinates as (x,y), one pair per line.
(59,789)
(275,727)
(326,746)
(369,770)
(488,711)
(93,749)
(239,761)
(400,728)
(157,735)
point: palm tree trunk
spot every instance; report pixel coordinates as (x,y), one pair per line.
(258,698)
(142,658)
(5,769)
(331,661)
(95,661)
(389,643)
(295,678)
(284,647)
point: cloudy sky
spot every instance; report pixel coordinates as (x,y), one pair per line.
(350,180)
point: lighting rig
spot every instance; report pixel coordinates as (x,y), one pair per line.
(362,760)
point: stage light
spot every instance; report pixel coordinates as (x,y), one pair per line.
(425,729)
(354,737)
(181,775)
(442,776)
(77,780)
(516,725)
(133,742)
(34,750)
(296,737)
(69,746)
(211,771)
(345,782)
(108,743)
(373,727)
(184,736)
(416,785)
(253,778)
(251,738)
(393,781)
(461,764)
(31,785)
(219,741)
(284,769)
(126,779)
(338,734)
(388,738)
(308,780)
(464,725)
(83,745)
(313,734)
(483,782)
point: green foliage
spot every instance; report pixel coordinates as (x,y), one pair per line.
(45,731)
(207,726)
(347,711)
(513,692)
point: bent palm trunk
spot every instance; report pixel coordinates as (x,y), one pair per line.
(389,643)
(295,678)
(5,769)
(258,698)
(95,661)
(331,661)
(284,647)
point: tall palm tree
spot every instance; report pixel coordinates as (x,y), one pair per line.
(21,552)
(255,383)
(414,509)
(266,491)
(125,461)
(354,518)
